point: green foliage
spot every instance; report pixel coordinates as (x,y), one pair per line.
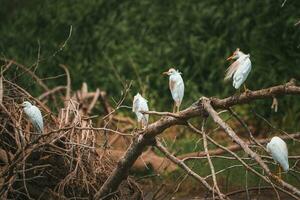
(114,42)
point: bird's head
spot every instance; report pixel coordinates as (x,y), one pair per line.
(236,54)
(170,72)
(26,104)
(138,95)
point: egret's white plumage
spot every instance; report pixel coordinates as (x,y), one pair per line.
(278,149)
(140,104)
(239,69)
(35,116)
(176,86)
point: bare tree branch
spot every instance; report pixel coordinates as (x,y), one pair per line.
(248,167)
(183,166)
(245,147)
(235,147)
(211,166)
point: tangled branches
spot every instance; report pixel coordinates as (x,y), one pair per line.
(61,163)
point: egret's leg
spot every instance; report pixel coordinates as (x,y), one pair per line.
(141,125)
(174,107)
(274,104)
(178,108)
(279,171)
(245,88)
(144,125)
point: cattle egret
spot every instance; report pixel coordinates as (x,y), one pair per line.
(176,86)
(34,115)
(239,69)
(140,104)
(278,149)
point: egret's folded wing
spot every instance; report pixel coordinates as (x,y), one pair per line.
(247,67)
(135,104)
(37,118)
(285,151)
(180,87)
(172,84)
(38,126)
(180,84)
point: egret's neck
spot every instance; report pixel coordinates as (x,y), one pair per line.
(27,107)
(175,74)
(240,54)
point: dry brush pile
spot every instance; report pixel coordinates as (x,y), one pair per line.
(64,162)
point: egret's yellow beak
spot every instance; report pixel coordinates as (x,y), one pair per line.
(230,57)
(165,73)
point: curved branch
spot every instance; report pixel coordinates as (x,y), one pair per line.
(27,70)
(49,92)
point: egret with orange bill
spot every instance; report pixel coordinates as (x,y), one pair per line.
(176,86)
(239,69)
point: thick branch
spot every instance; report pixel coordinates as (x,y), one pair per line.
(247,97)
(121,171)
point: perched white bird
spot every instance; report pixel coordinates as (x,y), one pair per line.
(140,104)
(176,86)
(278,149)
(239,69)
(34,115)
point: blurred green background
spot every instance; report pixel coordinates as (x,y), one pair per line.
(115,41)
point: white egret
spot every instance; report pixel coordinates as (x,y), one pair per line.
(140,104)
(278,149)
(239,69)
(176,86)
(35,116)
